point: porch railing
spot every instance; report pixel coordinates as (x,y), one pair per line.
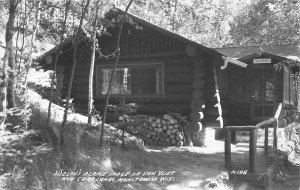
(253,139)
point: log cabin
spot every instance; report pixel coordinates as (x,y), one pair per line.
(252,95)
(158,70)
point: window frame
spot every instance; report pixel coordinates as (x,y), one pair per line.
(155,64)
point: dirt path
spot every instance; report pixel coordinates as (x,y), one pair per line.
(196,167)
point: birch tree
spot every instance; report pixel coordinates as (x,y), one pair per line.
(91,74)
(113,73)
(74,62)
(5,65)
(10,53)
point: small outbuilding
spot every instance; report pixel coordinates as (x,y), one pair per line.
(252,94)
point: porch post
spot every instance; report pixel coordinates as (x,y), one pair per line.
(227,149)
(252,149)
(217,95)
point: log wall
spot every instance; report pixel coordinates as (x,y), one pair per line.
(178,88)
(141,42)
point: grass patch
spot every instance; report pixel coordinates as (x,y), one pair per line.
(29,159)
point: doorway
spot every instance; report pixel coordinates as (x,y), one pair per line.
(263,92)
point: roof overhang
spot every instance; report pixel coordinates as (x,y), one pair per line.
(233,61)
(282,53)
(210,51)
(67,44)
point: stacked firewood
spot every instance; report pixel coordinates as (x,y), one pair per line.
(164,131)
(160,131)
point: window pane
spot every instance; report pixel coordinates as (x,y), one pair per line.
(269,96)
(120,83)
(258,85)
(144,81)
(133,79)
(148,81)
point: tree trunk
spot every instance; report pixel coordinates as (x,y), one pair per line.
(23,36)
(298,91)
(72,73)
(11,86)
(11,61)
(112,74)
(28,65)
(56,60)
(91,75)
(17,39)
(5,69)
(3,90)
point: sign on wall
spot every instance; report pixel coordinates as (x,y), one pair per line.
(259,61)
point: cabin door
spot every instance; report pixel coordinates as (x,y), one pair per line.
(263,92)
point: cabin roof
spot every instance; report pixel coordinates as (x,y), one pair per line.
(69,42)
(283,52)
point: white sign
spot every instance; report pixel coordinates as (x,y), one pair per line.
(258,61)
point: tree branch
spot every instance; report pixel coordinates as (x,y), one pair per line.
(113,73)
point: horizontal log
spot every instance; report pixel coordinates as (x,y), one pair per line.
(199,73)
(197,64)
(177,88)
(183,69)
(150,108)
(238,112)
(238,120)
(153,110)
(240,105)
(179,78)
(174,99)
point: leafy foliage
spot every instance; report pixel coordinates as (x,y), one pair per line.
(268,22)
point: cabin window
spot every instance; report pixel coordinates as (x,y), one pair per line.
(132,80)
